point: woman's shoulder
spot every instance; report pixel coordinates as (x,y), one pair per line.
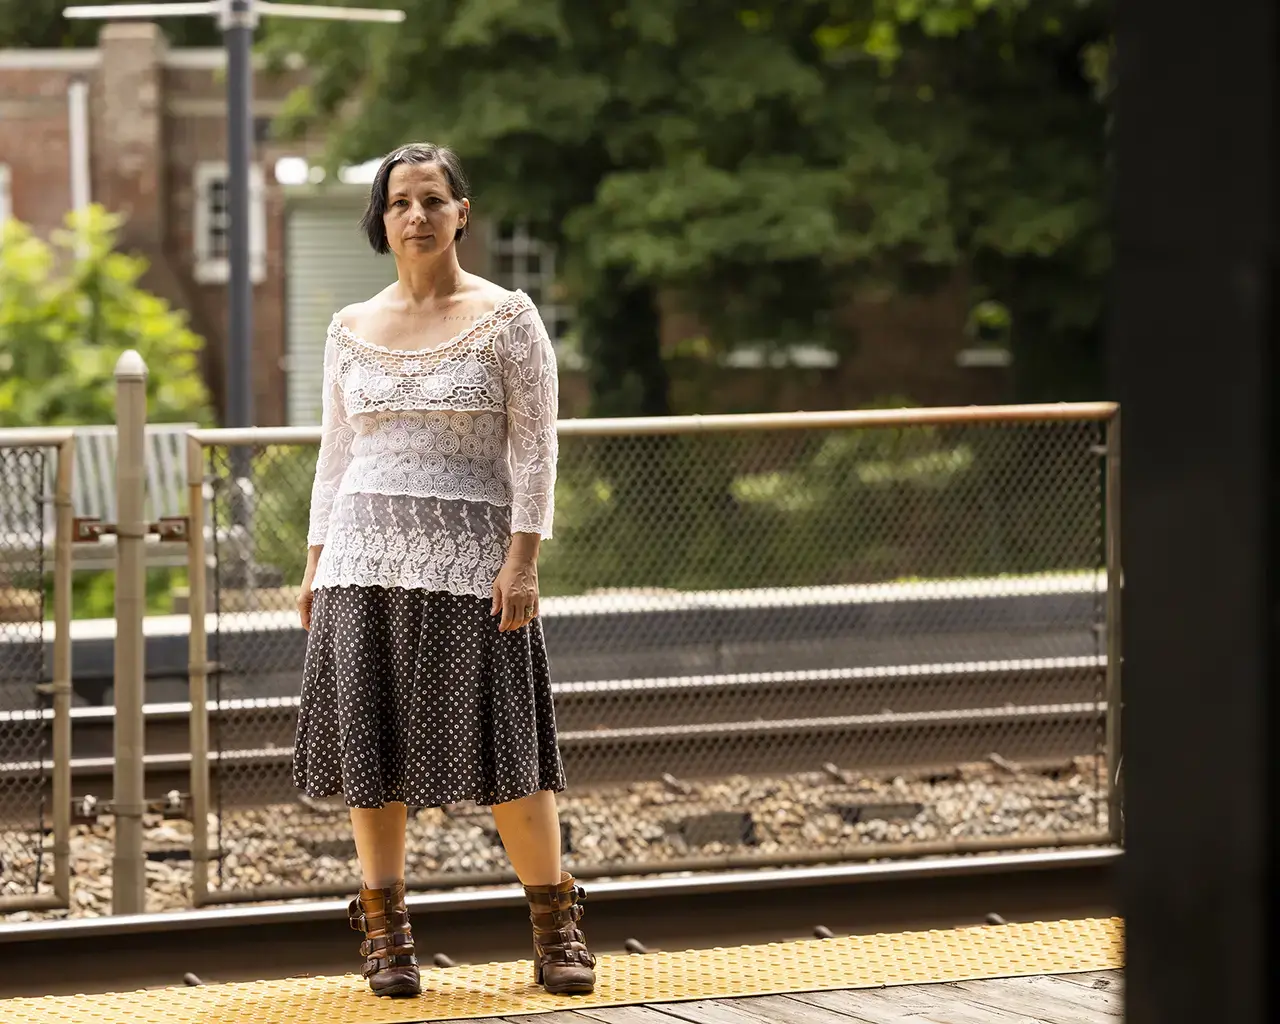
(349,316)
(353,316)
(493,296)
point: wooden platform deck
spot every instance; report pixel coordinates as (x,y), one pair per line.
(1093,998)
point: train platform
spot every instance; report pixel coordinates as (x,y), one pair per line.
(1055,971)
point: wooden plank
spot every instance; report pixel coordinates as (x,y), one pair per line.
(572,1017)
(554,1017)
(899,1005)
(472,1020)
(904,999)
(1047,1000)
(1107,981)
(784,1009)
(915,1004)
(627,1014)
(957,1008)
(752,1010)
(787,1009)
(1102,1000)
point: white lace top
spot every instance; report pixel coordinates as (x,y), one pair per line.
(430,459)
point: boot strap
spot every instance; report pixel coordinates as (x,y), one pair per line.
(563,935)
(381,963)
(567,956)
(554,918)
(399,942)
(556,899)
(390,919)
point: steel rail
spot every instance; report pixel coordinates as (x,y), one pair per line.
(616,755)
(938,686)
(835,420)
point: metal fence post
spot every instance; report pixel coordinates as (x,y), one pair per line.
(61,682)
(1115,654)
(198,668)
(128,877)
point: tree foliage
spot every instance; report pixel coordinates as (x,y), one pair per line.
(40,24)
(68,308)
(759,159)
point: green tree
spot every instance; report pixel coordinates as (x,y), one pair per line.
(68,308)
(755,160)
(1030,87)
(41,24)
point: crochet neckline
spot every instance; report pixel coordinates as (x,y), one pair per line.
(482,321)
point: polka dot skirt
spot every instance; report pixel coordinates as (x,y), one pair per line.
(414,696)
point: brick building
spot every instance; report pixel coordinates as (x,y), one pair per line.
(140,128)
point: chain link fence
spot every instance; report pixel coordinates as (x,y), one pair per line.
(773,640)
(34,712)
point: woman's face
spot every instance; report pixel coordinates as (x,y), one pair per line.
(422,217)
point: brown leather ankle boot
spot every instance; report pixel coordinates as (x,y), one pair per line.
(561,961)
(389,963)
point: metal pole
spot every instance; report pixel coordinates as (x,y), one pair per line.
(238,22)
(1115,653)
(128,875)
(198,659)
(78,134)
(78,130)
(62,672)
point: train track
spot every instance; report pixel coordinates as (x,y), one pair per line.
(867,718)
(671,913)
(619,636)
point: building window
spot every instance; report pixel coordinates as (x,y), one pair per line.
(212,232)
(6,196)
(525,262)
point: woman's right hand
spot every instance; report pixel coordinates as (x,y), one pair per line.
(304,599)
(304,591)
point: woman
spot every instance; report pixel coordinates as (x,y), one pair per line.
(426,678)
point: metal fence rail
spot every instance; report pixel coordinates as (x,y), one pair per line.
(774,639)
(35,794)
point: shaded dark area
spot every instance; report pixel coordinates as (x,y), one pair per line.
(1193,363)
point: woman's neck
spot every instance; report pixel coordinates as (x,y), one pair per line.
(425,282)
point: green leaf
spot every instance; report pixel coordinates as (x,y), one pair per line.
(68,308)
(482,22)
(760,162)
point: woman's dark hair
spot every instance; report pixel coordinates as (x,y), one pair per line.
(414,153)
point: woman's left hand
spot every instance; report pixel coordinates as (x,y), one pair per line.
(515,594)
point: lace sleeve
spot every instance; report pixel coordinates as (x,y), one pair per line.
(531,392)
(336,436)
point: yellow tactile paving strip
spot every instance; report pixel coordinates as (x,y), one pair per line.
(499,990)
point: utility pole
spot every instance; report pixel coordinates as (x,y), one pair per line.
(238,20)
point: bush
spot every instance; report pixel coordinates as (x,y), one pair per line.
(68,308)
(93,594)
(813,508)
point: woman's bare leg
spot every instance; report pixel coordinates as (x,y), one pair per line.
(379,836)
(530,831)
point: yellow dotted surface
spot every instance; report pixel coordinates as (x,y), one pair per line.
(506,989)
